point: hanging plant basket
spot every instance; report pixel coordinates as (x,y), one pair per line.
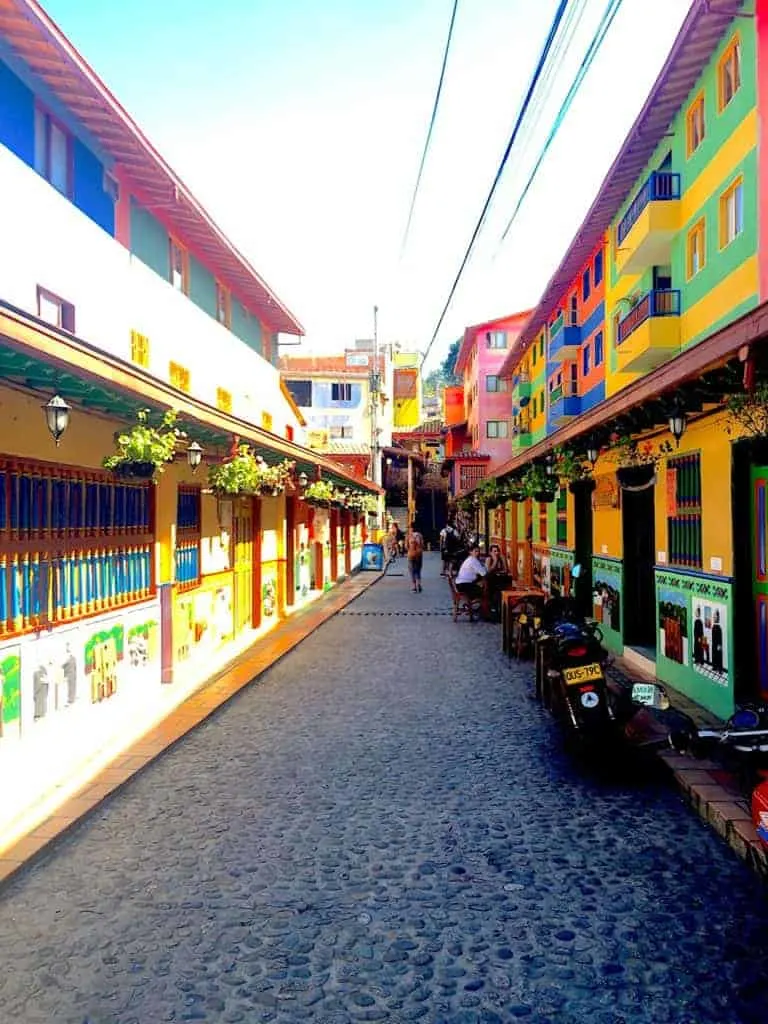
(544,497)
(584,486)
(517,496)
(635,476)
(135,470)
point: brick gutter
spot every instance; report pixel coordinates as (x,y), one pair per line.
(207,699)
(707,786)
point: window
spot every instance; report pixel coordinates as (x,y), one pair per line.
(696,251)
(729,74)
(266,420)
(731,213)
(585,360)
(496,339)
(684,537)
(534,356)
(223,400)
(598,343)
(585,285)
(301,392)
(598,275)
(71,542)
(288,432)
(188,533)
(341,392)
(55,311)
(340,433)
(573,319)
(541,347)
(492,382)
(178,376)
(53,152)
(139,349)
(179,266)
(223,305)
(695,127)
(497,428)
(561,536)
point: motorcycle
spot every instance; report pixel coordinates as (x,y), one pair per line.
(570,673)
(742,743)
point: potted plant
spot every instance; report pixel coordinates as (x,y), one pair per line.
(145,450)
(572,467)
(246,473)
(319,492)
(538,484)
(488,492)
(637,460)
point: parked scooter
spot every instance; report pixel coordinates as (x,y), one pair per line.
(742,742)
(570,676)
(646,720)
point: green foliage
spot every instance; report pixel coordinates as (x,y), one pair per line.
(536,479)
(319,492)
(489,492)
(145,443)
(363,501)
(570,465)
(631,451)
(445,374)
(247,473)
(749,412)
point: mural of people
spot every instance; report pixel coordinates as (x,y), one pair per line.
(69,672)
(710,653)
(673,625)
(607,603)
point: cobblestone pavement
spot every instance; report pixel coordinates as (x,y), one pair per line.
(385,828)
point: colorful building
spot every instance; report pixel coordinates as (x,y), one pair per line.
(335,395)
(482,353)
(119,594)
(407,391)
(642,369)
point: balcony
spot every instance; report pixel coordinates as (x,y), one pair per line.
(650,333)
(564,340)
(564,403)
(521,433)
(645,232)
(521,389)
(47,241)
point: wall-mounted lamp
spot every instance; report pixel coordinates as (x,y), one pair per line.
(593,455)
(57,417)
(550,466)
(677,423)
(303,480)
(194,456)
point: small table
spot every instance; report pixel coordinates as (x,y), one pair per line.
(509,598)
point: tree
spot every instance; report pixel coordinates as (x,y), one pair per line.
(444,374)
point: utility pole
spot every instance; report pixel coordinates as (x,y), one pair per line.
(374,381)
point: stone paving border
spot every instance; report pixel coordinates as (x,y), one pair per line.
(211,695)
(712,791)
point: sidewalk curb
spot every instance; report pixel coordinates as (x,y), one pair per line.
(710,789)
(205,701)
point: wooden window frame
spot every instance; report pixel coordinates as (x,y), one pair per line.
(66,318)
(697,231)
(174,243)
(684,511)
(179,376)
(732,50)
(223,304)
(189,517)
(49,120)
(737,183)
(697,107)
(223,400)
(140,349)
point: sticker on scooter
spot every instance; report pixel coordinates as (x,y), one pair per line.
(590,699)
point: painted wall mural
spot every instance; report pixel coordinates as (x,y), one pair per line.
(10,693)
(203,620)
(695,618)
(560,567)
(606,598)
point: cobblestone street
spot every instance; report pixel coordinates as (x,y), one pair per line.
(385,828)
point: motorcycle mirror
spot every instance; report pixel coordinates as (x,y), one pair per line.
(576,572)
(651,695)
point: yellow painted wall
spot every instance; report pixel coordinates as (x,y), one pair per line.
(739,143)
(731,291)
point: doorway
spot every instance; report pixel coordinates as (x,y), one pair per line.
(639,597)
(242,536)
(582,520)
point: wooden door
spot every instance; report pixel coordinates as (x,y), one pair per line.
(242,537)
(759,481)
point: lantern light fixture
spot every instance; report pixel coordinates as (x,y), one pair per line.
(57,417)
(303,479)
(550,466)
(593,454)
(677,423)
(194,456)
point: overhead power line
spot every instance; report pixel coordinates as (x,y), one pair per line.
(606,21)
(431,126)
(521,115)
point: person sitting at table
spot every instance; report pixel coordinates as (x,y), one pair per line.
(496,564)
(470,572)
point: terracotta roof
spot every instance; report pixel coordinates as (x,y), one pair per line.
(704,26)
(296,366)
(344,448)
(46,51)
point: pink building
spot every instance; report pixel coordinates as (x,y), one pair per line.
(487,402)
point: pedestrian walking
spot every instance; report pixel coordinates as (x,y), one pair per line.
(415,551)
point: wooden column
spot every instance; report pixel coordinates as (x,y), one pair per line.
(347,543)
(290,551)
(333,520)
(256,609)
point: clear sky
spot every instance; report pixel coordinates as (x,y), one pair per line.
(299,124)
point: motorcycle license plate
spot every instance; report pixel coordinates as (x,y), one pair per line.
(582,674)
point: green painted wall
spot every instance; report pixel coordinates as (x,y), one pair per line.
(246,327)
(202,287)
(688,607)
(608,600)
(149,240)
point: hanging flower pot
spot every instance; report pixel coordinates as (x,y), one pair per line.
(544,497)
(583,486)
(135,470)
(635,476)
(517,496)
(245,473)
(145,449)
